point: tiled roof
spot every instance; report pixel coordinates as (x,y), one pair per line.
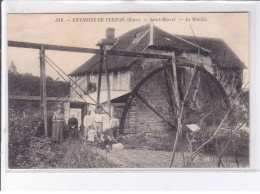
(138,39)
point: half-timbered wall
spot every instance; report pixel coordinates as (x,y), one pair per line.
(119,81)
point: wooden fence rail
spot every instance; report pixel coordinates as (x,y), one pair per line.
(36,98)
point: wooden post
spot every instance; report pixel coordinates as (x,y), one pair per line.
(41,99)
(174,83)
(100,75)
(43,89)
(108,83)
(168,89)
(197,86)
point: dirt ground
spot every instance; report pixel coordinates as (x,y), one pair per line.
(136,158)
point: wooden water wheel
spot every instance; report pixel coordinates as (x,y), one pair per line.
(205,94)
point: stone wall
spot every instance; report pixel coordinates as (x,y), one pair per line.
(141,118)
(155,92)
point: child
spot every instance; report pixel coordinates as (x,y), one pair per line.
(89,123)
(91,134)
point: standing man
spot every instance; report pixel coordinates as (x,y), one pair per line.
(114,125)
(98,122)
(89,123)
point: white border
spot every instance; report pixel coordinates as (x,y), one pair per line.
(116,180)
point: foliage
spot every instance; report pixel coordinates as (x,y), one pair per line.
(26,84)
(240,111)
(22,126)
(28,148)
(225,135)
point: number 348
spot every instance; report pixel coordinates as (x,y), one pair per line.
(59,20)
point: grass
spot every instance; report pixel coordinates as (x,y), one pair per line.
(150,141)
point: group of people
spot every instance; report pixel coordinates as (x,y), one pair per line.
(94,126)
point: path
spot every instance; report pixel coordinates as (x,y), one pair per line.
(133,158)
(136,158)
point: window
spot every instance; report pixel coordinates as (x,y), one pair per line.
(167,38)
(137,36)
(115,80)
(91,87)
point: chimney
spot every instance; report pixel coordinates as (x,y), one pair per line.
(110,33)
(110,39)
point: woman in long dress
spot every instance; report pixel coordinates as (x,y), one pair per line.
(57,126)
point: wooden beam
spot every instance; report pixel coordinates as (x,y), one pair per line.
(124,114)
(100,74)
(142,55)
(51,47)
(154,110)
(118,104)
(108,82)
(83,50)
(197,86)
(168,89)
(43,80)
(174,83)
(36,98)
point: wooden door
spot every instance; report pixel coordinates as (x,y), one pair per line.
(118,110)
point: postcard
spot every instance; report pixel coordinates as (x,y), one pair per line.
(128,91)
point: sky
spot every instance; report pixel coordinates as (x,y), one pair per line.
(86,30)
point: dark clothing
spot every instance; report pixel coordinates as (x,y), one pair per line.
(115,132)
(73,127)
(109,133)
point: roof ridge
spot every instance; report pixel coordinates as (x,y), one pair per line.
(182,39)
(135,29)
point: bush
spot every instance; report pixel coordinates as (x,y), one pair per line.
(23,125)
(78,154)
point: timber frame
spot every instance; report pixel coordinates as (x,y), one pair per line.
(171,63)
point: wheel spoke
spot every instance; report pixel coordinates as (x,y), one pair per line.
(154,110)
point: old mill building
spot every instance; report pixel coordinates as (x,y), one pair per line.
(221,77)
